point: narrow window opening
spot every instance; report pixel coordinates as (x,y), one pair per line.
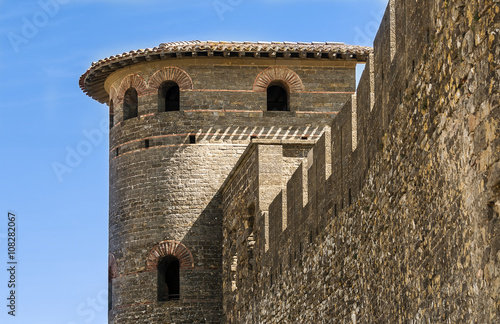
(233,54)
(280,54)
(192,139)
(168,96)
(111,114)
(335,210)
(304,138)
(324,55)
(310,55)
(110,289)
(130,104)
(350,197)
(117,151)
(277,98)
(428,36)
(253,137)
(202,54)
(339,56)
(413,66)
(146,143)
(218,53)
(264,54)
(310,237)
(248,54)
(168,279)
(294,55)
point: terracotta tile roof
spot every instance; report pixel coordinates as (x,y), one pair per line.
(92,81)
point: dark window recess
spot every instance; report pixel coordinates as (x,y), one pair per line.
(117,151)
(202,53)
(280,54)
(324,55)
(192,139)
(110,289)
(249,54)
(277,98)
(264,54)
(253,136)
(146,143)
(168,279)
(294,55)
(339,56)
(310,237)
(218,53)
(168,97)
(111,114)
(350,197)
(310,55)
(303,137)
(130,104)
(234,54)
(335,210)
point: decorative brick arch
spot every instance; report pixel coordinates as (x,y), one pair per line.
(112,267)
(131,81)
(170,73)
(278,73)
(177,249)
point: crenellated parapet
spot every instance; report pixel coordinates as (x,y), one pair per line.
(392,215)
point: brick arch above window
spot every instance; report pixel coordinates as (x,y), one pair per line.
(278,73)
(131,81)
(112,267)
(177,249)
(171,73)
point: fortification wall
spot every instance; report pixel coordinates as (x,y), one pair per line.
(394,217)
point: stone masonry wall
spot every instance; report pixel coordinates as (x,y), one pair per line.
(167,168)
(393,218)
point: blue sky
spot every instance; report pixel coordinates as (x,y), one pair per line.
(54,175)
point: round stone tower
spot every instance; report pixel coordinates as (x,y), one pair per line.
(181,114)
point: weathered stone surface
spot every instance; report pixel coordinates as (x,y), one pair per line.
(406,227)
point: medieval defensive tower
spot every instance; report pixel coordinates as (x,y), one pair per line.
(181,115)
